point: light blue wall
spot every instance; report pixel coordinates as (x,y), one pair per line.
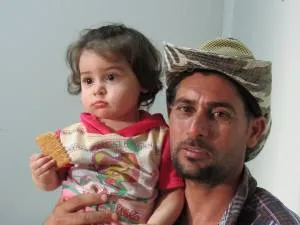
(33,39)
(272,29)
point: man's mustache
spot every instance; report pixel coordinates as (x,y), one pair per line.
(196,143)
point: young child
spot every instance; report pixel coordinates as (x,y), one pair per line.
(116,148)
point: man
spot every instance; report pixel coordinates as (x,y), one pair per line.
(218,99)
(219,102)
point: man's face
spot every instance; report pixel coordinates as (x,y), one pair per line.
(209,130)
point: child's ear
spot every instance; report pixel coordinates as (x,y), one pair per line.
(257,127)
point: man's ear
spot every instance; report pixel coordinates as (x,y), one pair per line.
(144,91)
(169,108)
(256,128)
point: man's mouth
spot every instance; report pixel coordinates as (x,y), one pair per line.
(196,153)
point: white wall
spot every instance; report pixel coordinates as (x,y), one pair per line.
(34,36)
(272,29)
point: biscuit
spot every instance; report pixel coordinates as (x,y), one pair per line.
(50,145)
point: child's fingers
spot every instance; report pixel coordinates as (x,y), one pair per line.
(43,165)
(47,167)
(36,156)
(37,161)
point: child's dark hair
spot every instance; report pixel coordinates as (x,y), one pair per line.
(119,40)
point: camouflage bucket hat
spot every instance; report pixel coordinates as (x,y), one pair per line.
(233,59)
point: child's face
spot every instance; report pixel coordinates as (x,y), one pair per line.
(109,88)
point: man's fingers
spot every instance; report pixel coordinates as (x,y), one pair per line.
(81,218)
(67,212)
(94,217)
(80,201)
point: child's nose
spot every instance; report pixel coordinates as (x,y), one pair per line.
(99,89)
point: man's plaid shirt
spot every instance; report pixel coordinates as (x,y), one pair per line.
(253,205)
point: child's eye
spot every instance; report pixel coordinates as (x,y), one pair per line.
(87,80)
(110,77)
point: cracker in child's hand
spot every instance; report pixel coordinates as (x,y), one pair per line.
(51,145)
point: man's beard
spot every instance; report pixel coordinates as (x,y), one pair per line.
(211,175)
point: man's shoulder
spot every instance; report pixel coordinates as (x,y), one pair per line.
(265,208)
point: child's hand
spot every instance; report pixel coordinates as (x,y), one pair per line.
(43,169)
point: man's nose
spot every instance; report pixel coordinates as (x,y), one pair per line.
(199,125)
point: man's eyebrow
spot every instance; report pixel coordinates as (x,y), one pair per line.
(184,101)
(221,104)
(211,105)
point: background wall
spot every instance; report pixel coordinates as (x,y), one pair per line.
(271,28)
(34,37)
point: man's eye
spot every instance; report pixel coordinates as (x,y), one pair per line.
(110,77)
(221,115)
(184,109)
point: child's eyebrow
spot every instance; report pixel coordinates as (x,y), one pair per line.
(116,66)
(112,67)
(85,73)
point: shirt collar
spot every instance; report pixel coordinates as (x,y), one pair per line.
(245,189)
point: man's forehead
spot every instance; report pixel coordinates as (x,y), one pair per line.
(184,92)
(208,88)
(199,82)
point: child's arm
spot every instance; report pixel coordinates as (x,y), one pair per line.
(168,207)
(44,173)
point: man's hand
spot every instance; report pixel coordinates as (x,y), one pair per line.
(67,212)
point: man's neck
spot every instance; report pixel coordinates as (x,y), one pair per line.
(206,205)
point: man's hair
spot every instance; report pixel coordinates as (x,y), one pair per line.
(251,106)
(117,40)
